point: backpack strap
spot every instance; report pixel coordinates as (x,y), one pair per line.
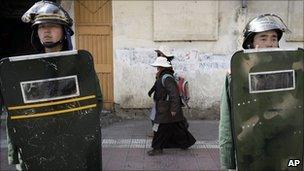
(164,78)
(163,82)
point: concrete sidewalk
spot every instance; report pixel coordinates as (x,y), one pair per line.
(125,145)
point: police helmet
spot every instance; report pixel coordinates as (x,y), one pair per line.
(263,23)
(47,12)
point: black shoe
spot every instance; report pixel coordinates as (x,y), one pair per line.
(151,135)
(185,148)
(155,152)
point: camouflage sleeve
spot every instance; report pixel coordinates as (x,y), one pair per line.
(12,150)
(1,104)
(227,151)
(98,94)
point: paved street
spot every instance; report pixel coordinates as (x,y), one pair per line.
(125,145)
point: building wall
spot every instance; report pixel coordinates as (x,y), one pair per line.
(204,62)
(203,35)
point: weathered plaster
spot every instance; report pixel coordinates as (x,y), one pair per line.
(203,63)
(203,71)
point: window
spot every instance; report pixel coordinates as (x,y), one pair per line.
(271,81)
(49,89)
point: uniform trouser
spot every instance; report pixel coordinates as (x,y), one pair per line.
(14,157)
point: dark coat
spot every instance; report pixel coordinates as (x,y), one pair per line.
(167,100)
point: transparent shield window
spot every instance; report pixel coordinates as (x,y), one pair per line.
(272,81)
(49,89)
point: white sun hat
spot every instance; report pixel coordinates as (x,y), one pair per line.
(164,50)
(161,62)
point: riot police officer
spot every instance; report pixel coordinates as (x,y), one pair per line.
(264,31)
(51,32)
(51,26)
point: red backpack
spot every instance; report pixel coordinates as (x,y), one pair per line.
(183,87)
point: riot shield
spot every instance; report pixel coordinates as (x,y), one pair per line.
(267,109)
(53,116)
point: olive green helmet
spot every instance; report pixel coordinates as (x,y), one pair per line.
(263,23)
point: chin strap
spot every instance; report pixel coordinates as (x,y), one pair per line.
(52,44)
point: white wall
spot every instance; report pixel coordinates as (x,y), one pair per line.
(204,63)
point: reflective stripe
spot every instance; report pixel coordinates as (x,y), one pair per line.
(53,112)
(51,103)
